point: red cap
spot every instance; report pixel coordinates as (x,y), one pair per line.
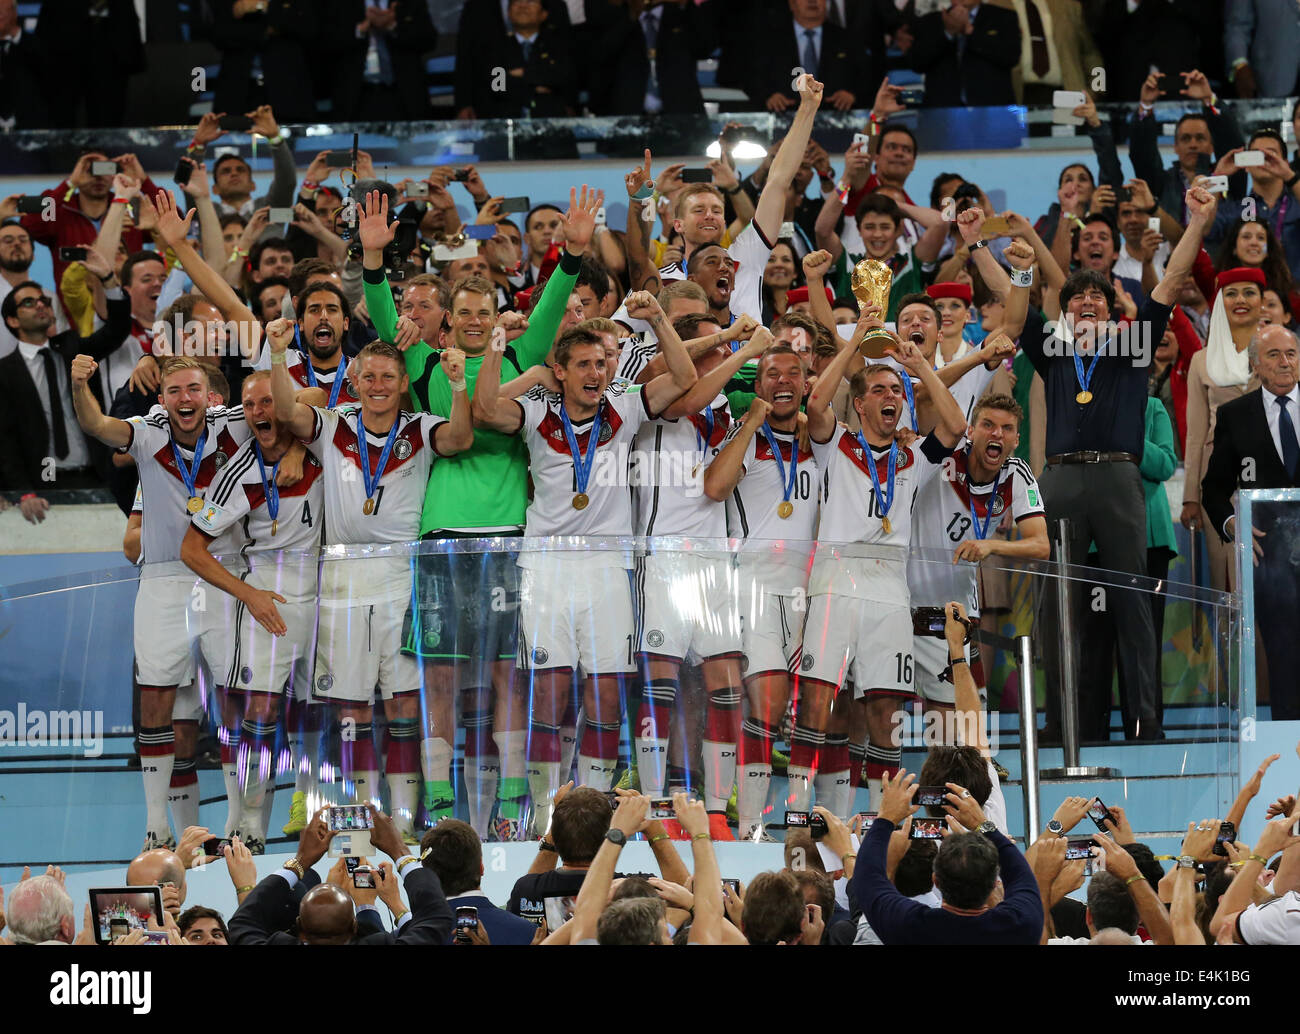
(1240,275)
(950,289)
(800,294)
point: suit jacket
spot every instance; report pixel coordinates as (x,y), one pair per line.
(551,65)
(776,50)
(481,21)
(991,52)
(21,95)
(24,431)
(271,907)
(621,63)
(1157,34)
(1076,51)
(411,38)
(1267,34)
(1241,434)
(502,927)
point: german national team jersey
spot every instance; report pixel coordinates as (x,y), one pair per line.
(944,516)
(238,499)
(351,518)
(670,457)
(637,353)
(749,251)
(753,507)
(608,507)
(852,513)
(164,497)
(302,375)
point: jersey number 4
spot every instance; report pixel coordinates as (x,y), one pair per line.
(306,513)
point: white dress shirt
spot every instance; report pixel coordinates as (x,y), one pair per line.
(1272,413)
(34,356)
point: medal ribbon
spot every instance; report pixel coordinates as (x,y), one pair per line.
(190,474)
(884,499)
(787,483)
(1085,378)
(268,485)
(703,441)
(582,464)
(363,449)
(982,531)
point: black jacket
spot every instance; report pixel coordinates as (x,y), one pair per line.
(411,38)
(271,907)
(620,60)
(547,89)
(1241,435)
(776,52)
(991,52)
(24,431)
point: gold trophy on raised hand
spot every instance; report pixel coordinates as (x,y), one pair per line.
(872,280)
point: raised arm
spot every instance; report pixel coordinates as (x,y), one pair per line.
(706,388)
(723,475)
(707,926)
(210,239)
(770,209)
(681,376)
(1201,205)
(1021,257)
(821,415)
(815,266)
(300,419)
(970,224)
(952,421)
(628,817)
(125,189)
(488,408)
(457,434)
(641,272)
(112,432)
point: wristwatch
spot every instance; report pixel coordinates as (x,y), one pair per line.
(986,827)
(1055,828)
(616,837)
(1186,861)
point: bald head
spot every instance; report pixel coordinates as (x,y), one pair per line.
(326,916)
(155,867)
(1111,935)
(39,910)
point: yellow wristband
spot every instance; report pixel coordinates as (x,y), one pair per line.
(659,836)
(1133,879)
(1261,859)
(702,836)
(243,890)
(402,863)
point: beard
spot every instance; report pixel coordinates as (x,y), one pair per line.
(15,263)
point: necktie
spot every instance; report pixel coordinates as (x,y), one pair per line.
(809,57)
(527,46)
(60,429)
(1037,40)
(1286,431)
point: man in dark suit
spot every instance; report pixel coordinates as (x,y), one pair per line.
(967,53)
(326,914)
(452,850)
(277,35)
(530,69)
(41,445)
(1255,446)
(378,49)
(484,20)
(22,64)
(802,36)
(644,56)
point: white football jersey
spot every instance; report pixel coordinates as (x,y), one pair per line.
(555,481)
(942,519)
(771,541)
(750,251)
(303,376)
(164,497)
(238,499)
(636,354)
(398,497)
(852,514)
(669,460)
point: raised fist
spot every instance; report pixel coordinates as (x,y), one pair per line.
(279,332)
(453,364)
(1020,254)
(816,264)
(83,368)
(642,305)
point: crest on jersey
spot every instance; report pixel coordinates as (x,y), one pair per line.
(654,639)
(219,459)
(997,505)
(245,674)
(807,662)
(401,448)
(540,656)
(325,683)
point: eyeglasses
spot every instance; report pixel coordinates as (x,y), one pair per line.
(34,300)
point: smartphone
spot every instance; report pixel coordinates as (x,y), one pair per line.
(480,233)
(514,204)
(1065,117)
(796,819)
(1154,223)
(1227,835)
(351,862)
(1246,159)
(868,817)
(346,817)
(1125,194)
(104,168)
(1216,184)
(363,878)
(280,215)
(236,123)
(417,188)
(460,175)
(124,909)
(1068,98)
(338,159)
(184,170)
(861,141)
(559,910)
(936,796)
(733,884)
(697,175)
(1079,848)
(30,204)
(1099,813)
(156,937)
(213,845)
(661,808)
(924,828)
(466,920)
(67,254)
(442,253)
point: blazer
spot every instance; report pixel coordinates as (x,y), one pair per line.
(552,65)
(272,906)
(1267,34)
(24,431)
(411,38)
(991,52)
(620,61)
(1241,434)
(840,66)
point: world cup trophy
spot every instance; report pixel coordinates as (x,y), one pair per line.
(871,283)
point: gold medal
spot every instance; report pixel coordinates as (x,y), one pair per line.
(275,526)
(368,507)
(884,523)
(195,504)
(1083,398)
(695,471)
(785,509)
(580,501)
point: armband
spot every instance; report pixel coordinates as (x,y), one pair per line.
(1289,183)
(647,190)
(310,185)
(402,863)
(121,200)
(29,495)
(279,358)
(544,845)
(977,245)
(457,385)
(732,192)
(277,139)
(244,889)
(295,867)
(1022,277)
(1133,879)
(1259,858)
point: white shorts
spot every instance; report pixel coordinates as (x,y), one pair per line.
(359,648)
(687,606)
(264,663)
(772,627)
(165,629)
(868,641)
(930,658)
(584,621)
(188,706)
(216,638)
